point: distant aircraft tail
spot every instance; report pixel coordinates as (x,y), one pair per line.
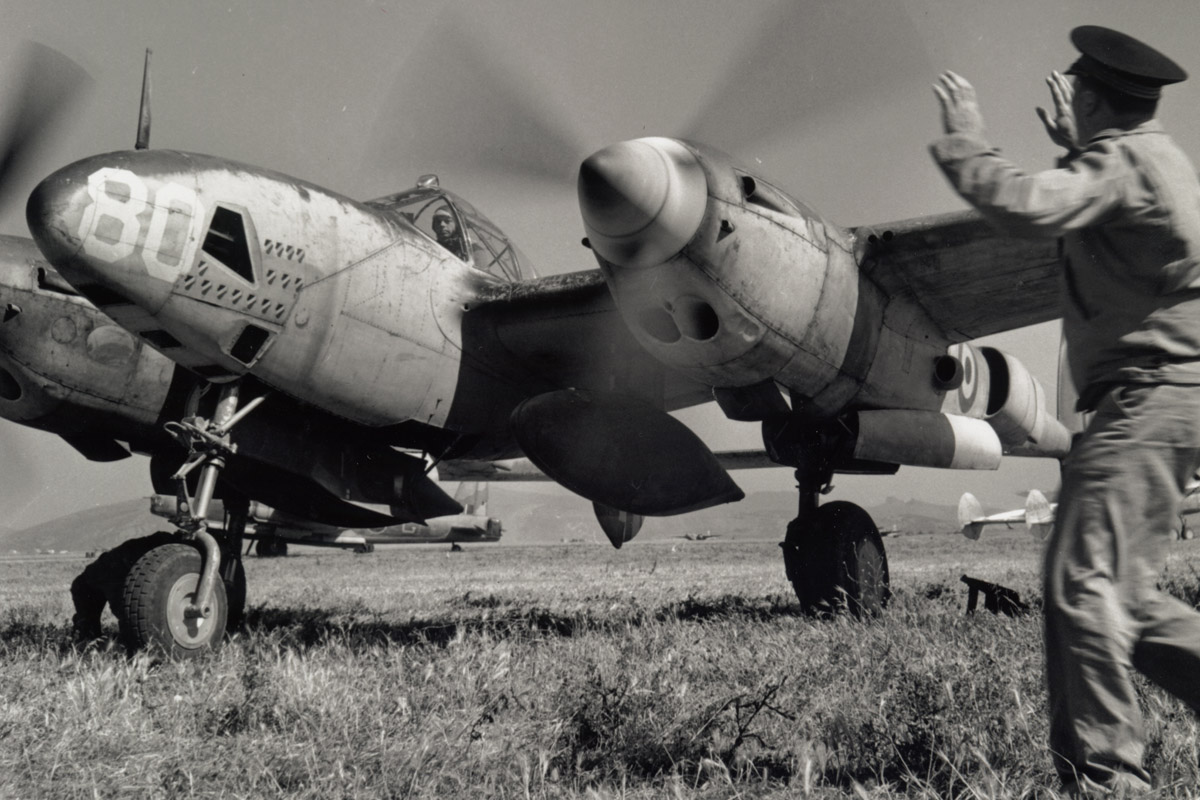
(473,495)
(1039,516)
(970,513)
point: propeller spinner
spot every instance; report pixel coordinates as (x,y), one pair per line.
(641,200)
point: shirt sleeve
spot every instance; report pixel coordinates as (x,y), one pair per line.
(1087,191)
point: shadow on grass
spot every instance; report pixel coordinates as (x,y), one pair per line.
(494,618)
(31,632)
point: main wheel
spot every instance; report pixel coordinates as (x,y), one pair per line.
(158,591)
(837,562)
(270,547)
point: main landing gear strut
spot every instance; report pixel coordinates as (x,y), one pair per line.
(180,597)
(833,553)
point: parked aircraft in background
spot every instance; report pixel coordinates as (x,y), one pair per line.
(272,531)
(698,537)
(328,350)
(1038,515)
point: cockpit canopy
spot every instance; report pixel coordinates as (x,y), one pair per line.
(459,227)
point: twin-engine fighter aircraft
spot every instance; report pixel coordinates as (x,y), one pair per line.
(1038,514)
(336,337)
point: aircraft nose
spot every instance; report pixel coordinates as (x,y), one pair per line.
(54,212)
(641,200)
(114,220)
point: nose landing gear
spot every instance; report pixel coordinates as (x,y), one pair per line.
(181,596)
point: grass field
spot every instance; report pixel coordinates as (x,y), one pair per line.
(661,670)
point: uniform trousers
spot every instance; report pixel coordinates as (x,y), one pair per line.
(1122,486)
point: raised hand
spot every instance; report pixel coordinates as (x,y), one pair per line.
(1061,127)
(960,109)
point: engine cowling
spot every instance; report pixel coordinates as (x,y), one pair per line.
(731,282)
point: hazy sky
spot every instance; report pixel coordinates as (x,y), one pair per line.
(830,100)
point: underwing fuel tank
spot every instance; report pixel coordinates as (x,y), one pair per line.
(727,279)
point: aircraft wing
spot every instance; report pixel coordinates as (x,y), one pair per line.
(564,331)
(971,279)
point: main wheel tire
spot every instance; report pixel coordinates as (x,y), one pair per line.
(838,562)
(270,547)
(158,591)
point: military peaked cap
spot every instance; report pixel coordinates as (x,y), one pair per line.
(1122,62)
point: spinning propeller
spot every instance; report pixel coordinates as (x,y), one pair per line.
(46,83)
(460,103)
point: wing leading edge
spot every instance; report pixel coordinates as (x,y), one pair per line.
(971,279)
(564,331)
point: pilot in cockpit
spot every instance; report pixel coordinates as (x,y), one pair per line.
(445,229)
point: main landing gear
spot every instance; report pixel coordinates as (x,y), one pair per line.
(180,597)
(833,553)
(270,547)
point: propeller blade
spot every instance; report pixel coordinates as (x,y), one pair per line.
(46,83)
(458,107)
(808,60)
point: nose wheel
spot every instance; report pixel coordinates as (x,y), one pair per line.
(159,604)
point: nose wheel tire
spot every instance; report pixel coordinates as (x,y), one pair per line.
(836,561)
(158,592)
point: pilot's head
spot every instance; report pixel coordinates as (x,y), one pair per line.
(444,226)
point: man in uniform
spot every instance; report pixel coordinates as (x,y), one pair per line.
(1126,202)
(445,230)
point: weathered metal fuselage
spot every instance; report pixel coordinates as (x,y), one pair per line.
(232,270)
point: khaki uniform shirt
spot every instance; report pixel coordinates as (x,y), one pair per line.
(1128,210)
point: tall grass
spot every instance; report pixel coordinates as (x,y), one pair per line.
(660,670)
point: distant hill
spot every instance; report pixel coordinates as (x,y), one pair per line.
(554,517)
(914,516)
(100,527)
(529,517)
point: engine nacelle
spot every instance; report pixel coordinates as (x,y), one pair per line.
(999,389)
(729,281)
